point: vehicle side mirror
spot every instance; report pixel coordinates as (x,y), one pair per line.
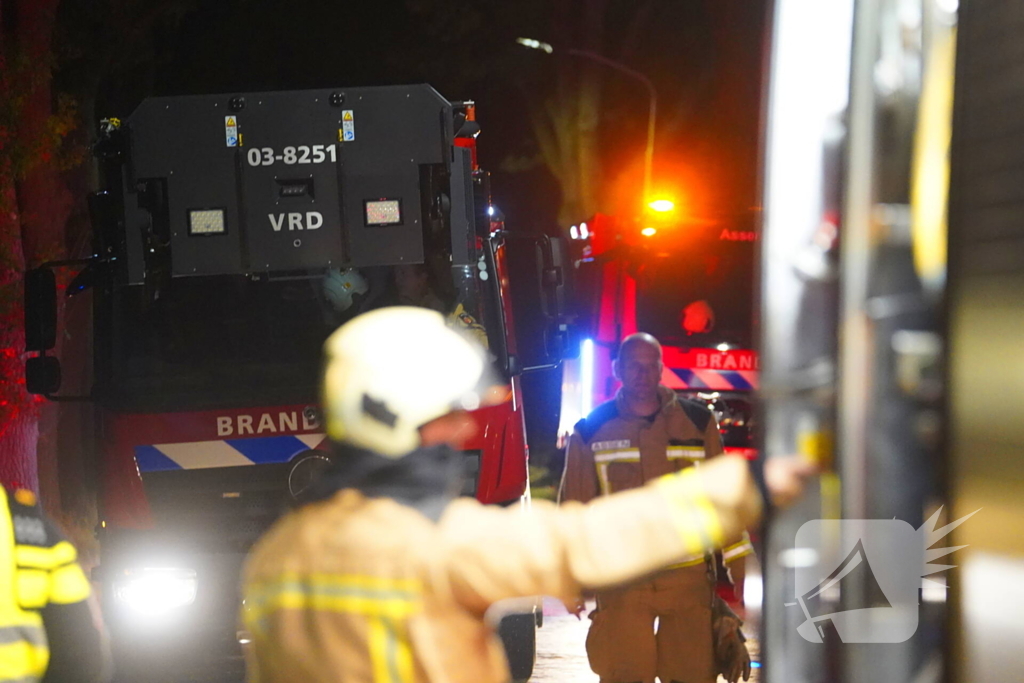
(550,266)
(562,341)
(40,310)
(542,300)
(42,375)
(556,275)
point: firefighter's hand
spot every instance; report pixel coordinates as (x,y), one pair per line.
(785,478)
(733,658)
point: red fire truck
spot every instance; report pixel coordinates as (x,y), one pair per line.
(235,234)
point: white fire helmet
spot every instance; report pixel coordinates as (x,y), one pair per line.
(390,371)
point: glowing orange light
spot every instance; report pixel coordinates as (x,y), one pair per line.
(662,205)
(648,232)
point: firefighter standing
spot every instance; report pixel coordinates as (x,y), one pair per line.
(49,630)
(385,575)
(647,432)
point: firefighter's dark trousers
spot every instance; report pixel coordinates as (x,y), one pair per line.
(623,645)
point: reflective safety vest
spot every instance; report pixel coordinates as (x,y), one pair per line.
(37,567)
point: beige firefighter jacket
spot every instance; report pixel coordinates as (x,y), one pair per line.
(360,589)
(614,451)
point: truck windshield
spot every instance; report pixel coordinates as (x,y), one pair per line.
(699,292)
(210,342)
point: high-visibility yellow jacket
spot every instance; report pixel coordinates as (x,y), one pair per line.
(38,569)
(361,589)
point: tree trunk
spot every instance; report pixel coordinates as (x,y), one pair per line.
(18,412)
(569,131)
(36,209)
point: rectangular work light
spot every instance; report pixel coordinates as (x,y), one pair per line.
(383,212)
(206,222)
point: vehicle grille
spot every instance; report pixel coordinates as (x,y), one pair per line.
(227,509)
(219,509)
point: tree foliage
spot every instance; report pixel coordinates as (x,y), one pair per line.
(53,57)
(587,123)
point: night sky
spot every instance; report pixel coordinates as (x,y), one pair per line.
(703,55)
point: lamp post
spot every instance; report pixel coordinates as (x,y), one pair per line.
(623,69)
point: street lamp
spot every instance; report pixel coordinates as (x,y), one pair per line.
(621,68)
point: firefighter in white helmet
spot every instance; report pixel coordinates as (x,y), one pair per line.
(385,574)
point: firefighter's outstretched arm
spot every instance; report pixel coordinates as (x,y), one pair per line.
(491,555)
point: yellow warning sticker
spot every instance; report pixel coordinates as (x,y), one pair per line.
(348,126)
(341,135)
(231,136)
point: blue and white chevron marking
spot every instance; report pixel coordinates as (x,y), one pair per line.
(260,450)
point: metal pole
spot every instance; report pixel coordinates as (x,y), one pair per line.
(649,154)
(652,108)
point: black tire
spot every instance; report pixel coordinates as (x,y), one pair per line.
(519,636)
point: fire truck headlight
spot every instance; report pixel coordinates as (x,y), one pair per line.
(156,591)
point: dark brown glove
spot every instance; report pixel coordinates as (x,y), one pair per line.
(731,657)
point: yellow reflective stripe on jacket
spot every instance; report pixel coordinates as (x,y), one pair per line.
(22,659)
(24,654)
(68,585)
(390,651)
(737,550)
(604,458)
(686,453)
(729,554)
(386,604)
(695,517)
(33,588)
(363,595)
(64,585)
(45,558)
(320,580)
(693,562)
(618,455)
